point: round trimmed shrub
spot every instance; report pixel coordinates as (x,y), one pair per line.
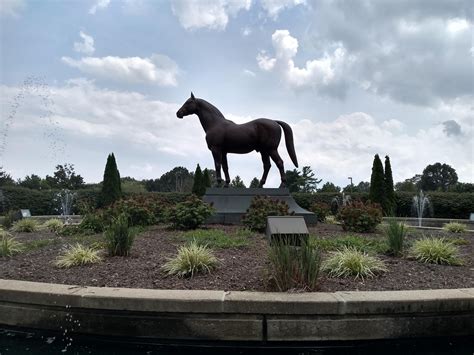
(260,208)
(360,217)
(190,214)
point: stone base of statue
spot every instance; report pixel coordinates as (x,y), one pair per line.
(231,204)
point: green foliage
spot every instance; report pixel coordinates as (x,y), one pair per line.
(53,225)
(353,262)
(435,251)
(351,241)
(36,244)
(321,210)
(438,177)
(77,255)
(206,178)
(119,236)
(190,214)
(360,217)
(8,245)
(260,208)
(191,259)
(303,181)
(455,227)
(377,185)
(65,178)
(199,188)
(254,183)
(26,225)
(395,233)
(5,178)
(142,211)
(93,222)
(111,187)
(178,179)
(129,185)
(389,203)
(294,267)
(237,182)
(216,238)
(330,187)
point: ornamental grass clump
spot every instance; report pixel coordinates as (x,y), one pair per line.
(53,225)
(8,244)
(395,233)
(119,236)
(435,251)
(26,225)
(191,259)
(294,267)
(77,255)
(349,262)
(455,227)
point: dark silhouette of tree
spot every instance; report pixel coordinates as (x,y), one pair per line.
(111,186)
(31,182)
(237,182)
(303,181)
(438,177)
(329,187)
(5,178)
(198,182)
(254,183)
(65,178)
(377,185)
(206,178)
(390,202)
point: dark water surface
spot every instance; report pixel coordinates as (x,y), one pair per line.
(21,342)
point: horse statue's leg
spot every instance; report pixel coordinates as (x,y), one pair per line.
(217,155)
(225,167)
(266,168)
(279,163)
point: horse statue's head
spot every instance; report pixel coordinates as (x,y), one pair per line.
(188,108)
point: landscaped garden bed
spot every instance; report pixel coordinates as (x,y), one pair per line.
(243,260)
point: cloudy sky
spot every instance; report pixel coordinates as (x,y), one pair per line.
(81,79)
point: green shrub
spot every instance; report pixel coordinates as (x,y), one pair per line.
(353,262)
(191,259)
(260,208)
(76,255)
(395,233)
(455,227)
(26,225)
(321,210)
(8,245)
(190,214)
(216,238)
(294,267)
(93,222)
(53,225)
(360,217)
(119,236)
(435,251)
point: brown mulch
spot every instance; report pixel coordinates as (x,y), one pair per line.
(240,269)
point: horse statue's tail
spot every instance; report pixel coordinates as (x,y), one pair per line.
(290,147)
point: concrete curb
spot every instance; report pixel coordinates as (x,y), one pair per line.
(237,316)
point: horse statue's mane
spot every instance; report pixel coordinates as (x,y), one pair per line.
(212,108)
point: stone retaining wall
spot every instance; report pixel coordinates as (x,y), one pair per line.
(237,316)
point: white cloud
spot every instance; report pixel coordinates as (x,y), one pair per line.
(325,71)
(457,25)
(11,7)
(274,7)
(87,44)
(99,5)
(213,14)
(249,73)
(157,69)
(246,31)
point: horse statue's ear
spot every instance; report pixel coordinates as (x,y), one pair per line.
(192,95)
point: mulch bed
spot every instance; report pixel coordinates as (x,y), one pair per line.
(241,269)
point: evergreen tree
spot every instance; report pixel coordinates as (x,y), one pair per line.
(377,185)
(198,184)
(206,178)
(237,182)
(254,183)
(111,187)
(390,202)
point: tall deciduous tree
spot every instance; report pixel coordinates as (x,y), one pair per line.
(65,178)
(438,177)
(377,185)
(330,187)
(390,202)
(111,187)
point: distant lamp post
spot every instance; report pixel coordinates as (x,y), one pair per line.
(350,178)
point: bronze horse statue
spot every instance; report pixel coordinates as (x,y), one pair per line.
(224,136)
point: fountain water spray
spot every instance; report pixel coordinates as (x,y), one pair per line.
(66,199)
(420,205)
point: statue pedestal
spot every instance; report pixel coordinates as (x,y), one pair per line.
(232,203)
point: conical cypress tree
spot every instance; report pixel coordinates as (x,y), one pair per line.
(389,192)
(206,178)
(377,185)
(111,187)
(198,183)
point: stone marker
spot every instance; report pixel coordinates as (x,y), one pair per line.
(290,229)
